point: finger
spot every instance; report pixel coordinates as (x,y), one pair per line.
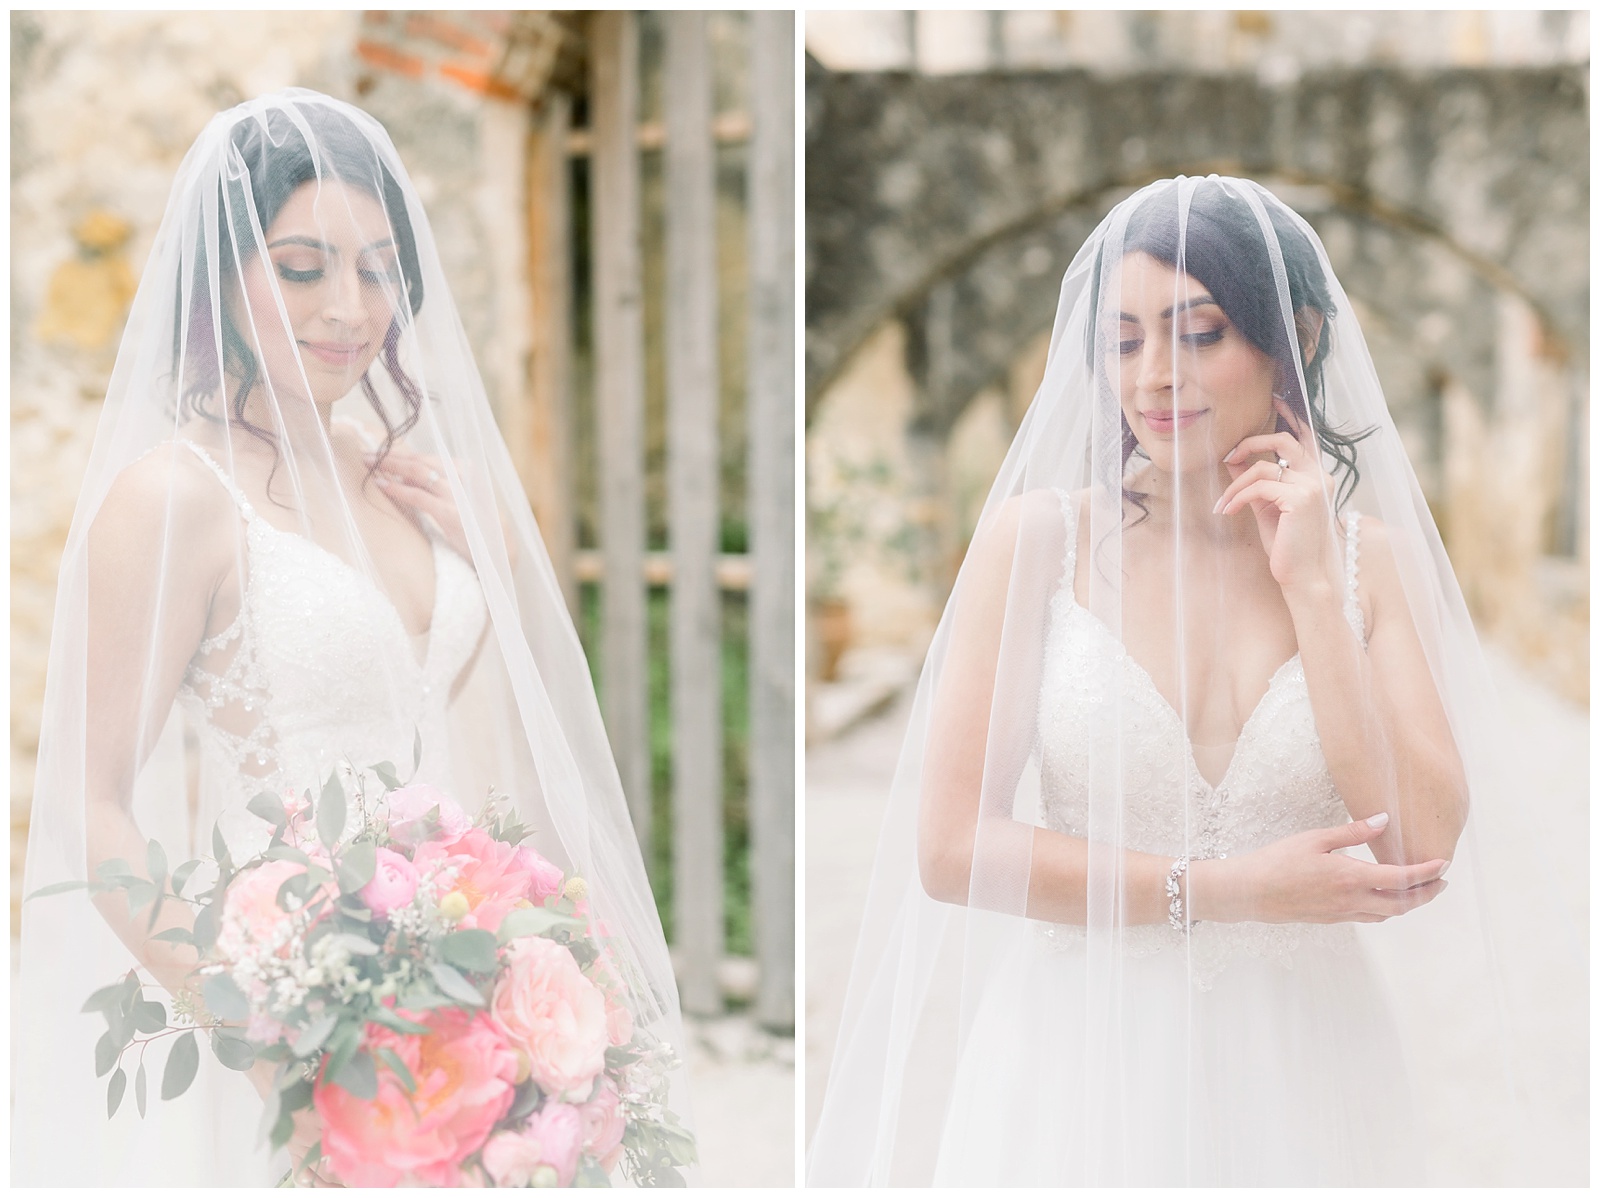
(1347,836)
(1264,491)
(1259,472)
(1277,445)
(1404,877)
(1398,902)
(410,495)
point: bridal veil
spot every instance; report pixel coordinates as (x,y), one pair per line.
(385,602)
(1019,1010)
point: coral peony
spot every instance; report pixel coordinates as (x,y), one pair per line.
(554,1014)
(553,1137)
(250,911)
(463,1070)
(489,873)
(408,815)
(547,876)
(392,885)
(603,1126)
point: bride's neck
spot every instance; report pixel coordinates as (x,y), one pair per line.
(1186,502)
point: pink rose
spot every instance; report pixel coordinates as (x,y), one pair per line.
(408,814)
(465,1074)
(547,876)
(392,886)
(250,911)
(619,1020)
(603,1126)
(552,1136)
(489,873)
(548,1009)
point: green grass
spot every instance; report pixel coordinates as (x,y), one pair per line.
(735,754)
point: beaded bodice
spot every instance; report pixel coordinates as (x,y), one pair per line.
(1276,784)
(318,669)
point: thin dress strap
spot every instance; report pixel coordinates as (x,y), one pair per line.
(232,487)
(1352,571)
(1069,519)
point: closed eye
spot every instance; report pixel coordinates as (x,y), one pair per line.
(290,275)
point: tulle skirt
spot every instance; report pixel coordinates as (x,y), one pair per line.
(1280,1072)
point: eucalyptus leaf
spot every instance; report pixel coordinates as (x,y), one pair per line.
(287,852)
(150,1017)
(524,1101)
(425,998)
(357,866)
(534,921)
(295,1092)
(55,888)
(294,888)
(141,893)
(114,868)
(103,999)
(205,926)
(416,751)
(224,999)
(181,876)
(331,812)
(386,1017)
(155,910)
(457,987)
(270,808)
(234,1051)
(156,862)
(282,1129)
(182,1064)
(219,844)
(315,1034)
(175,936)
(398,1068)
(359,1077)
(359,945)
(385,772)
(472,949)
(341,1047)
(115,1091)
(591,1176)
(106,1049)
(139,1089)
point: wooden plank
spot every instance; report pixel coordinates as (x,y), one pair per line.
(692,496)
(727,129)
(771,424)
(618,348)
(551,451)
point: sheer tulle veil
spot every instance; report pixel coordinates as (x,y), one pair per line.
(384,597)
(1121,681)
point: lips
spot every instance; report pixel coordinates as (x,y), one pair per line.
(1166,422)
(334,353)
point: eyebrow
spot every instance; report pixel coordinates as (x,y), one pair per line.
(313,243)
(1197,302)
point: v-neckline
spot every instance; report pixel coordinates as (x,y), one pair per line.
(1172,712)
(383,596)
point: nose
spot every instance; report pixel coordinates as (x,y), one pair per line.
(1155,369)
(342,301)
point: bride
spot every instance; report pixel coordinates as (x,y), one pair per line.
(300,547)
(1205,699)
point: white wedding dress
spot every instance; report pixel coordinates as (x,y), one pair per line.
(1245,1053)
(307,676)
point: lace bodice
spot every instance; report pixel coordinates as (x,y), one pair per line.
(1276,784)
(318,669)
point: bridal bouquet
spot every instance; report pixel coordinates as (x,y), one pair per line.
(432,988)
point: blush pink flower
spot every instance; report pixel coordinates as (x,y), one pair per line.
(603,1126)
(489,873)
(408,815)
(547,876)
(555,1015)
(393,884)
(553,1136)
(464,1071)
(250,910)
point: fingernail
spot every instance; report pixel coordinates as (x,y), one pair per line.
(1231,454)
(382,482)
(1445,870)
(1216,507)
(1381,820)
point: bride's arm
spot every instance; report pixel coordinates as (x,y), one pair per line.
(148,604)
(979,742)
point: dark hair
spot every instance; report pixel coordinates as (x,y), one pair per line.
(1223,246)
(270,160)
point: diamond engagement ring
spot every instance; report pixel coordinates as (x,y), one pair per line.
(1282,466)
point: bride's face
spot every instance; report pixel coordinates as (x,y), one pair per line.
(331,256)
(1192,385)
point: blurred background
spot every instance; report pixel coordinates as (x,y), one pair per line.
(613,197)
(955,161)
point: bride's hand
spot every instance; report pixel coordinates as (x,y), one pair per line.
(1302,879)
(416,481)
(1292,505)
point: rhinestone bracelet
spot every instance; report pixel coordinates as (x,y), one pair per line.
(1175,915)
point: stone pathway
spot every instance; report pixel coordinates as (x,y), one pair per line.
(742,1086)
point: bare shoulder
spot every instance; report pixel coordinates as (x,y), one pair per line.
(167,496)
